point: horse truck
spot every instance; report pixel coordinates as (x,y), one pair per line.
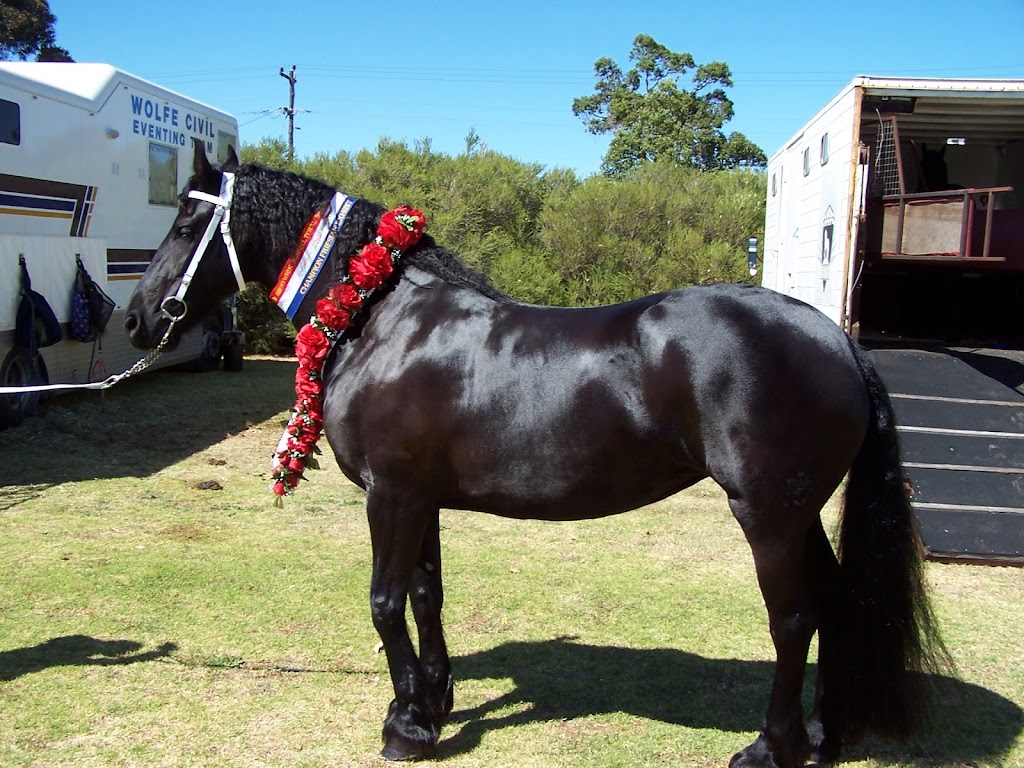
(91,162)
(898,211)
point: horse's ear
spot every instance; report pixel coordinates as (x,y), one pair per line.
(200,165)
(231,161)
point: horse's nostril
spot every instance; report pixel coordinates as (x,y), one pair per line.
(131,321)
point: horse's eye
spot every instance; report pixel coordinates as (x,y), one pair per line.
(184,231)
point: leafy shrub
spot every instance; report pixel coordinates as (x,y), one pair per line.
(543,236)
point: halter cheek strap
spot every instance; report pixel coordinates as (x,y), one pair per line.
(222,217)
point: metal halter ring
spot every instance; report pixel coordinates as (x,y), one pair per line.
(168,313)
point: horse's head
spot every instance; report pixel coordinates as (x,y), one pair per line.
(191,272)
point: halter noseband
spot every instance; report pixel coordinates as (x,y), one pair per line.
(221,216)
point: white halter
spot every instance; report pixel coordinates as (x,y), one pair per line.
(221,216)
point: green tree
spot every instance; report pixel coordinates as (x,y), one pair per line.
(26,28)
(662,227)
(270,152)
(652,117)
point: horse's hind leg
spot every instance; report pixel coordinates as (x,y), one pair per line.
(427,597)
(823,572)
(778,540)
(397,530)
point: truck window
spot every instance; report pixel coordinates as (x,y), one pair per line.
(10,122)
(163,175)
(225,140)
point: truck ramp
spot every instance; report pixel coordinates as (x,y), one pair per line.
(960,415)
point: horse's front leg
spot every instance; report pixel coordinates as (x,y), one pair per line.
(397,528)
(427,596)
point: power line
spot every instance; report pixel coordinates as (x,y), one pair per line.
(531,76)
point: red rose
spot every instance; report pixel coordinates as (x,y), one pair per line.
(306,442)
(314,420)
(312,345)
(371,267)
(346,296)
(312,408)
(332,315)
(401,228)
(305,386)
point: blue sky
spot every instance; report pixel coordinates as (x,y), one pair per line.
(510,71)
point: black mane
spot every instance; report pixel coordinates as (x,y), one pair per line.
(445,265)
(282,202)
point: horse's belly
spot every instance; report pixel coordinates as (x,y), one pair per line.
(563,481)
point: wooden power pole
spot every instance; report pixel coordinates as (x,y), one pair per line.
(290,111)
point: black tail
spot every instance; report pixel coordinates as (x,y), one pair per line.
(889,634)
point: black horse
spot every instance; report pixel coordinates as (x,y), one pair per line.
(934,171)
(449,394)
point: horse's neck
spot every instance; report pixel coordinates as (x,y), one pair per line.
(416,289)
(269,235)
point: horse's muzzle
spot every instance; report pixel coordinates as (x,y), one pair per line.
(143,336)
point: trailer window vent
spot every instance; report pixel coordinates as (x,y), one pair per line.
(225,140)
(824,148)
(956,141)
(807,161)
(774,185)
(10,122)
(890,105)
(163,175)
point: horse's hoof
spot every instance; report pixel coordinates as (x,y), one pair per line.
(760,755)
(757,755)
(408,733)
(399,752)
(826,751)
(398,747)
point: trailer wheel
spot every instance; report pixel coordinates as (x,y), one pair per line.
(19,370)
(211,345)
(233,357)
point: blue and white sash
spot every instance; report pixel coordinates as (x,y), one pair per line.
(311,253)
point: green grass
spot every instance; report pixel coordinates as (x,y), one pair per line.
(147,621)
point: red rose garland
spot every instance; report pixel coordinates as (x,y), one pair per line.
(399,230)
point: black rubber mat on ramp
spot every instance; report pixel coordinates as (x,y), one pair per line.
(961,420)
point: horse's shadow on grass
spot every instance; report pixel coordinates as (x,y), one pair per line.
(564,680)
(75,651)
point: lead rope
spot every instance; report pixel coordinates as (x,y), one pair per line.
(108,382)
(143,364)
